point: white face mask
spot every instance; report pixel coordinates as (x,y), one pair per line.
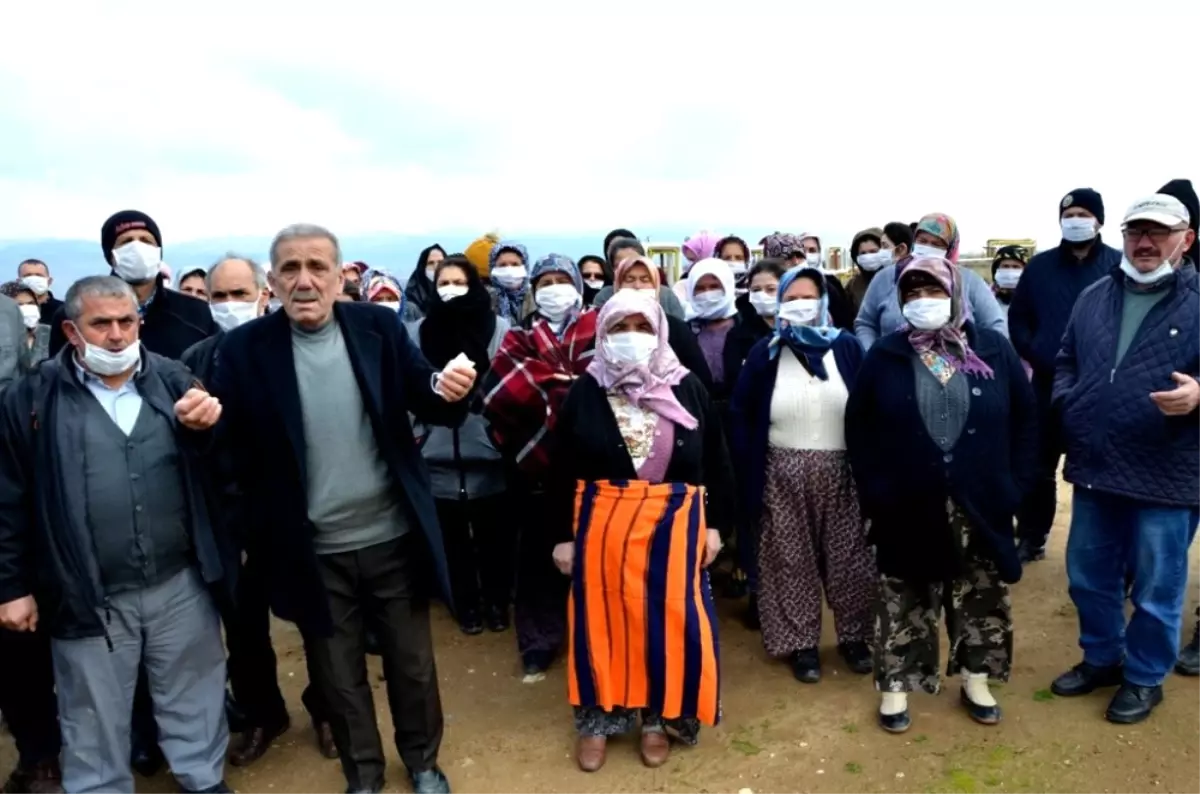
(709,304)
(763,303)
(231,314)
(393,305)
(137,262)
(922,251)
(1157,274)
(509,276)
(448,292)
(105,362)
(31,315)
(802,311)
(1078,230)
(737,268)
(555,300)
(813,260)
(1007,277)
(876,261)
(430,272)
(927,314)
(594,283)
(39,284)
(631,347)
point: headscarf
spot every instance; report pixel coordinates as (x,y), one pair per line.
(628,264)
(949,342)
(720,269)
(461,325)
(649,385)
(780,245)
(479,253)
(733,238)
(590,293)
(509,300)
(14,288)
(808,342)
(701,245)
(381,282)
(942,226)
(873,234)
(556,263)
(420,289)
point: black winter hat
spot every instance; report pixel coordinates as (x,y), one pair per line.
(122,222)
(1182,189)
(1084,197)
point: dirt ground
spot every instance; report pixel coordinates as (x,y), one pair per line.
(503,735)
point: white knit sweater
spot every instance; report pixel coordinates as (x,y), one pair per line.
(806,412)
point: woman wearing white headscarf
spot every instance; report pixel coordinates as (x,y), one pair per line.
(711,310)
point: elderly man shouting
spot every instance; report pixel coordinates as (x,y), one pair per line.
(105,537)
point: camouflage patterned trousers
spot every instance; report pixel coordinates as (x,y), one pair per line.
(978,622)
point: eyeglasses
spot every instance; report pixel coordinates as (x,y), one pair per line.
(1157,234)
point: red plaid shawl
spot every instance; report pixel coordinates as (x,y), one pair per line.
(524,396)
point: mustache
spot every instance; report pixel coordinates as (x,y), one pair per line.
(305,295)
(1145,251)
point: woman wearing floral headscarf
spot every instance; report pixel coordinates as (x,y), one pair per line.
(936,236)
(507,263)
(941,434)
(791,249)
(790,448)
(523,392)
(642,487)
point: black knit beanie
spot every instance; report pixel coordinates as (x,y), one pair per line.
(122,222)
(1084,197)
(1182,189)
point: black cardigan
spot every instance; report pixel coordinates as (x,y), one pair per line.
(587,445)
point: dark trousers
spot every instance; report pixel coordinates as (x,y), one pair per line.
(378,587)
(480,538)
(27,695)
(540,610)
(1036,516)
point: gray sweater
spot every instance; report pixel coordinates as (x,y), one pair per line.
(352,499)
(880,312)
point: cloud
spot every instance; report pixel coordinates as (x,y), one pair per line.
(369,118)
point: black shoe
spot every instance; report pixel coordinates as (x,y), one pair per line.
(806,666)
(470,622)
(750,617)
(496,618)
(984,715)
(431,781)
(1083,679)
(147,761)
(1133,703)
(1029,551)
(536,662)
(1189,656)
(857,656)
(895,723)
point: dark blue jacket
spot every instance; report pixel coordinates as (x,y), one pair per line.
(262,432)
(904,479)
(1117,440)
(751,413)
(1041,305)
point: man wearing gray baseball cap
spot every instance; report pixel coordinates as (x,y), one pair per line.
(1126,389)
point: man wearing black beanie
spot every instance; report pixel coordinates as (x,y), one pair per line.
(1037,318)
(172,322)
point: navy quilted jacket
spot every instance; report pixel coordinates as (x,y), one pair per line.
(1117,440)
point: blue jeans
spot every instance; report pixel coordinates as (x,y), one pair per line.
(1110,536)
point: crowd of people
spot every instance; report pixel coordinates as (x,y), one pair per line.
(572,449)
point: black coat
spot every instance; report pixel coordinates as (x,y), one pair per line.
(201,357)
(687,349)
(586,445)
(46,547)
(262,433)
(173,322)
(748,329)
(49,308)
(904,479)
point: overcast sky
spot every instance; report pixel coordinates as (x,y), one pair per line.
(733,115)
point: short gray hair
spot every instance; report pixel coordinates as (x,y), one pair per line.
(260,275)
(95,287)
(300,231)
(623,242)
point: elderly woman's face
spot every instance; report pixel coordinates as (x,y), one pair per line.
(553,277)
(636,323)
(928,238)
(708,283)
(637,277)
(802,288)
(922,285)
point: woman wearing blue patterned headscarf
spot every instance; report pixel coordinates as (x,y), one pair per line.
(507,269)
(789,444)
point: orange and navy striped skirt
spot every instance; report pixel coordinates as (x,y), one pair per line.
(643,628)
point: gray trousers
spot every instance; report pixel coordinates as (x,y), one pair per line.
(172,628)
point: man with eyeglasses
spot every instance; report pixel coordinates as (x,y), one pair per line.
(1037,316)
(1127,390)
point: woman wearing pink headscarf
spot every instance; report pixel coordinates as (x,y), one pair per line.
(700,246)
(643,490)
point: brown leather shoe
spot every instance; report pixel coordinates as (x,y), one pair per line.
(656,747)
(591,752)
(325,741)
(254,743)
